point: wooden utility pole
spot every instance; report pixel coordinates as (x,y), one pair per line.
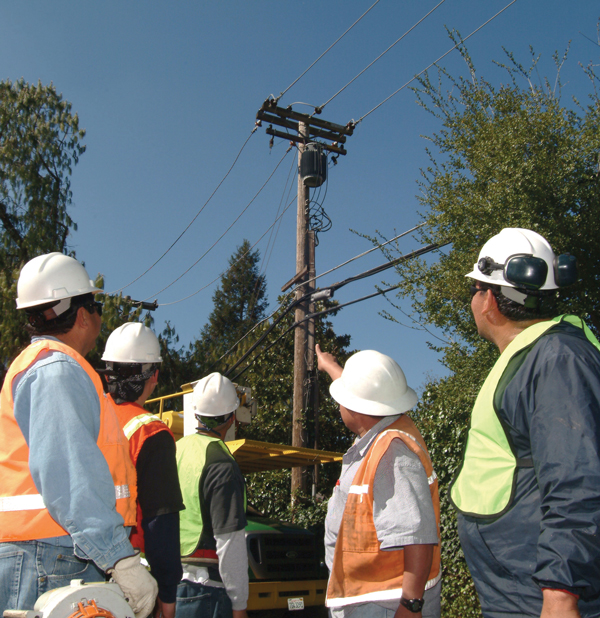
(301,331)
(313,374)
(307,129)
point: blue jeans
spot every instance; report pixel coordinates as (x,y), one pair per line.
(199,601)
(30,568)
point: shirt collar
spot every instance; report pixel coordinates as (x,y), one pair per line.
(362,444)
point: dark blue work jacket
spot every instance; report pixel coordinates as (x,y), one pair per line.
(549,403)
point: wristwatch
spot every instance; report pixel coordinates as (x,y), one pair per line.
(412,605)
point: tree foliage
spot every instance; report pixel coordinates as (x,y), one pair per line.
(506,156)
(255,354)
(239,303)
(40,142)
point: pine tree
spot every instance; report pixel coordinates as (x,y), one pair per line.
(240,302)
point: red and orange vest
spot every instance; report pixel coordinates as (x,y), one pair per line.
(362,572)
(23,515)
(138,425)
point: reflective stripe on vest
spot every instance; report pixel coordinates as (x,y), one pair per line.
(23,515)
(191,459)
(139,421)
(361,571)
(35,502)
(484,484)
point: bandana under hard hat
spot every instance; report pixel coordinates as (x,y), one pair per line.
(127,389)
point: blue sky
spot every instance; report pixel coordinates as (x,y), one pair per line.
(168,93)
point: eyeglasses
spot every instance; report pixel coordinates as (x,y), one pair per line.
(484,288)
(93,306)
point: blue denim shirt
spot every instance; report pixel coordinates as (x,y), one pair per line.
(57,409)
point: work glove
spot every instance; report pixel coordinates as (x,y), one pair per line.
(138,586)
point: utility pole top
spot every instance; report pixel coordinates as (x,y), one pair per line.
(315,127)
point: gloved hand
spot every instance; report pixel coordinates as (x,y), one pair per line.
(138,586)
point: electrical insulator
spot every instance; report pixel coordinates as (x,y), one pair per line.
(313,165)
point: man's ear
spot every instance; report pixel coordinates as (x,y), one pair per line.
(490,302)
(82,318)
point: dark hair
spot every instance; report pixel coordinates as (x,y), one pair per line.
(38,324)
(540,305)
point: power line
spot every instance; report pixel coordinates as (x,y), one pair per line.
(267,259)
(379,246)
(320,108)
(226,231)
(195,217)
(241,257)
(336,286)
(436,61)
(293,291)
(327,50)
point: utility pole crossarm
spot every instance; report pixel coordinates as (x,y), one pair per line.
(313,127)
(302,140)
(286,112)
(339,137)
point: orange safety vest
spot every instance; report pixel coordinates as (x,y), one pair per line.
(23,514)
(362,572)
(138,425)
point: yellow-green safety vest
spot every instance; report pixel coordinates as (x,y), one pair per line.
(485,482)
(191,459)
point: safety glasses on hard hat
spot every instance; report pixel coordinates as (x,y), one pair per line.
(529,272)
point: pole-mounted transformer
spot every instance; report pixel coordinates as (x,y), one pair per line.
(313,165)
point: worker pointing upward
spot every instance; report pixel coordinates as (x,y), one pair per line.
(67,484)
(382,528)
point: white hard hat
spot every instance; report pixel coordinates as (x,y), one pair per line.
(373,383)
(214,395)
(52,277)
(132,343)
(516,245)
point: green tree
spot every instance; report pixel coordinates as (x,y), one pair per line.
(506,156)
(269,373)
(40,142)
(239,303)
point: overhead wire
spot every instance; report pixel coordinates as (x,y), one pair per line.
(241,257)
(305,319)
(356,257)
(326,51)
(320,108)
(435,62)
(267,258)
(265,263)
(195,217)
(225,232)
(370,272)
(293,291)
